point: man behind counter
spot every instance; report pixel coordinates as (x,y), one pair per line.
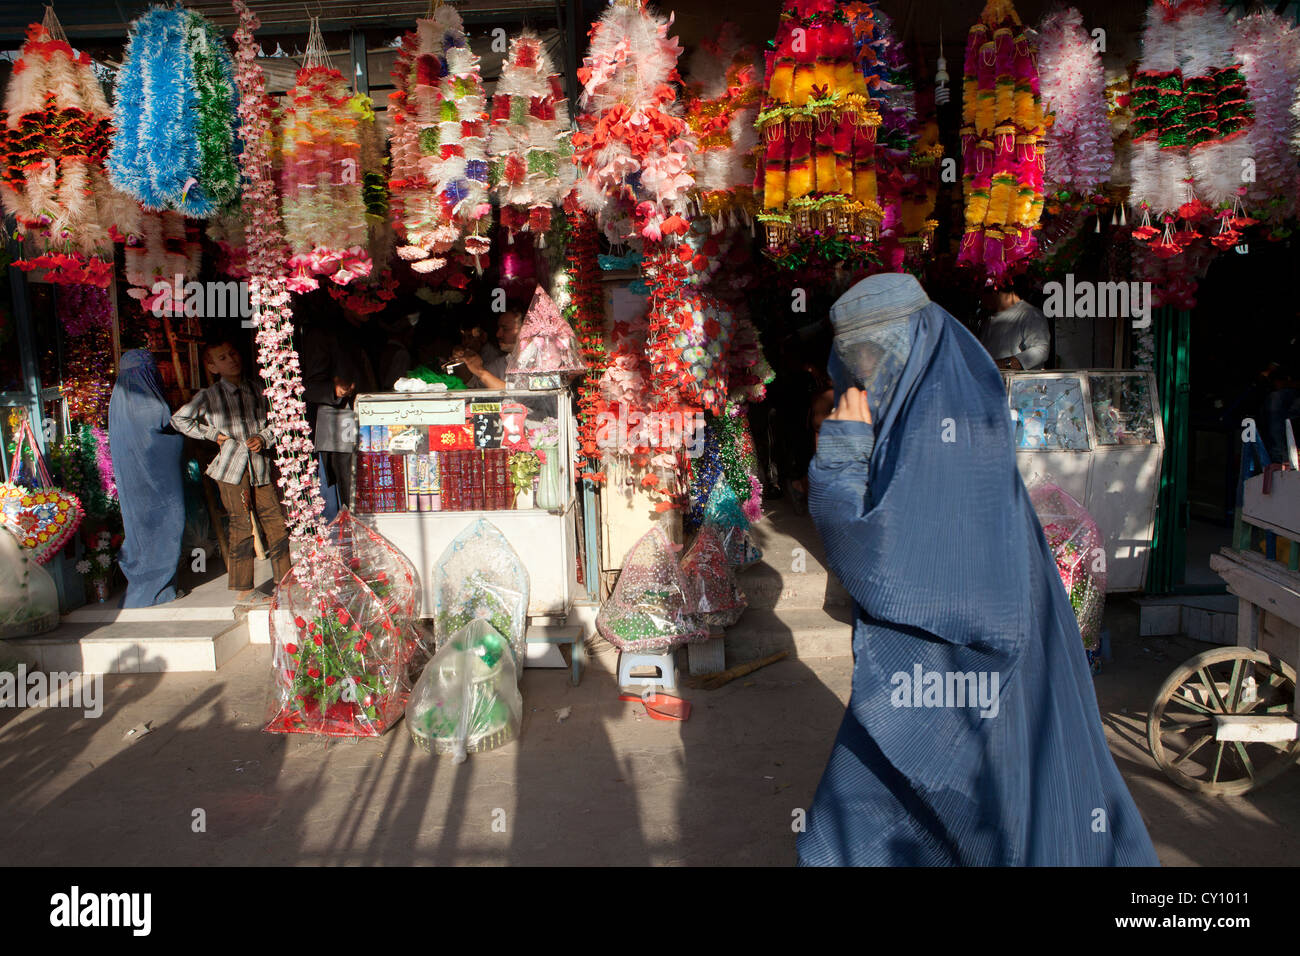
(1018,335)
(487,363)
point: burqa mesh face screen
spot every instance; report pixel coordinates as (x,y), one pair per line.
(873,336)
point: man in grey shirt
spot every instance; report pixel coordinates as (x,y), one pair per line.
(1018,335)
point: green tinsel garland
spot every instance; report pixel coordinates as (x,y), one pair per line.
(214,82)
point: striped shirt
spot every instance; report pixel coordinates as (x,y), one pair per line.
(238,411)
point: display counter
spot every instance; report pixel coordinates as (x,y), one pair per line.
(429,464)
(1097,434)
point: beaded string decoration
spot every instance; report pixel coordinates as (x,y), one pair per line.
(1001,142)
(818,126)
(529,139)
(54,139)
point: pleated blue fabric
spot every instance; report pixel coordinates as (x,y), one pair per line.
(927,523)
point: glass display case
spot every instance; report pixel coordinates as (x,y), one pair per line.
(1097,434)
(428,464)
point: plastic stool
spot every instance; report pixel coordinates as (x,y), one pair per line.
(663,661)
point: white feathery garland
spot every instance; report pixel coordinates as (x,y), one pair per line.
(1159,175)
(1206,45)
(530,138)
(712,69)
(1268,48)
(1079,149)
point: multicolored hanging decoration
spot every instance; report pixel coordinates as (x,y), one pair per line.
(1001,143)
(174,145)
(277,360)
(633,150)
(818,175)
(1078,153)
(748,372)
(1268,48)
(439,152)
(906,175)
(586,313)
(530,139)
(723,93)
(53,141)
(321,175)
(729,457)
(1191,115)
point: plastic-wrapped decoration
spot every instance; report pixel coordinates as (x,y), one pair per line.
(467,700)
(388,573)
(546,346)
(1075,540)
(342,651)
(652,607)
(480,577)
(724,513)
(29,603)
(717,597)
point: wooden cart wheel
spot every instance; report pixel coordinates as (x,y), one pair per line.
(1181,720)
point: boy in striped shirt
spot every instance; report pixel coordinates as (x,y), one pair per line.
(232,413)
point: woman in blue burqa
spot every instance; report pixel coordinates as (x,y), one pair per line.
(147,468)
(972,735)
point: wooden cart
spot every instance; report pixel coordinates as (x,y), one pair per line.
(1225,721)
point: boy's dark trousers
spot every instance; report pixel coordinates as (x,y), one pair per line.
(240,500)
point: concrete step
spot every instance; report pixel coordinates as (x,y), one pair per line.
(772,587)
(1211,618)
(804,632)
(132,647)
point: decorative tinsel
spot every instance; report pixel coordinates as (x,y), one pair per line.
(724,90)
(81,463)
(728,456)
(53,141)
(1078,142)
(164,246)
(530,139)
(1268,49)
(818,173)
(632,148)
(269,295)
(174,113)
(87,317)
(1001,142)
(322,178)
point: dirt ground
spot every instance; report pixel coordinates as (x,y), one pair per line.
(606,785)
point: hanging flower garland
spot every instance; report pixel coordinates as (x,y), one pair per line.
(724,91)
(277,361)
(87,318)
(818,175)
(322,176)
(1268,49)
(1078,153)
(586,313)
(633,150)
(1001,142)
(53,141)
(530,139)
(174,111)
(1191,115)
(164,248)
(748,372)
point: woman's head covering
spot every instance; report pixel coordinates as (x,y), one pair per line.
(873,336)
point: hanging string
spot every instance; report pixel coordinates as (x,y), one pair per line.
(316,54)
(50,23)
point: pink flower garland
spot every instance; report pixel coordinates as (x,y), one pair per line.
(269,295)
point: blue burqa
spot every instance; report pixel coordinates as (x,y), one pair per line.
(147,468)
(928,525)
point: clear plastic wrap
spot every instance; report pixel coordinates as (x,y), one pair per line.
(724,513)
(1078,547)
(29,602)
(715,595)
(652,606)
(467,700)
(546,346)
(344,636)
(480,576)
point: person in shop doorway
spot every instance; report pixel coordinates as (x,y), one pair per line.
(487,364)
(232,413)
(335,369)
(972,735)
(146,454)
(1017,335)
